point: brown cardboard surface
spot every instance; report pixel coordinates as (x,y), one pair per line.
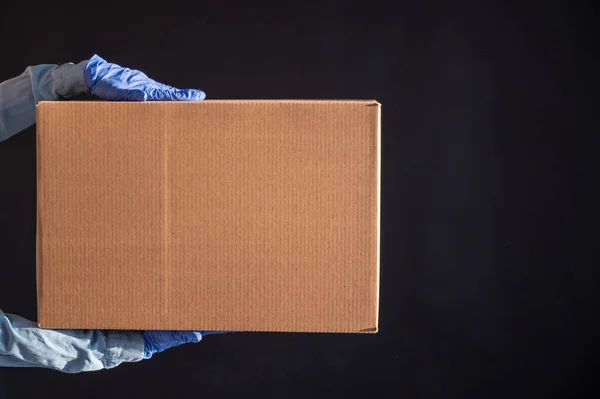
(214,215)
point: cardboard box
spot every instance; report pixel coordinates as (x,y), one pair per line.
(213,215)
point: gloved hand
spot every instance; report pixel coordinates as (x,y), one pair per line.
(114,83)
(158,341)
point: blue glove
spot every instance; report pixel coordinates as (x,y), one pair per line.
(114,83)
(158,341)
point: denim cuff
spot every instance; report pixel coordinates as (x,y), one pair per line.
(69,80)
(123,346)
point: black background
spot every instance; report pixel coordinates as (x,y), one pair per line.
(488,268)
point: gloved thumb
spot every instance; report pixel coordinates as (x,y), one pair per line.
(158,341)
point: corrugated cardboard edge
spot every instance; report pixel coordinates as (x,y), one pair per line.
(379,163)
(38,234)
(376,328)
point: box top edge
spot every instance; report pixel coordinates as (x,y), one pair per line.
(231,101)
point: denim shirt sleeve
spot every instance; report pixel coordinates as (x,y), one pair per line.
(23,344)
(46,82)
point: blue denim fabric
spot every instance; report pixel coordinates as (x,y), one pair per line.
(47,82)
(23,344)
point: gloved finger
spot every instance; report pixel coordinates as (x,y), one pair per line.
(171,339)
(185,337)
(175,95)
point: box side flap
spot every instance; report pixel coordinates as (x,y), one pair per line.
(38,235)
